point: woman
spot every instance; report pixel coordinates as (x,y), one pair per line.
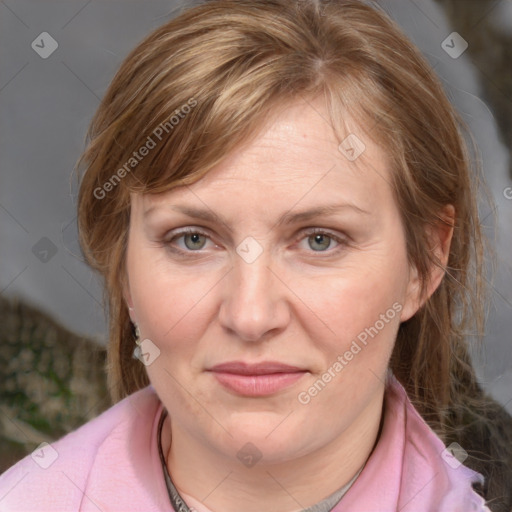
(278,197)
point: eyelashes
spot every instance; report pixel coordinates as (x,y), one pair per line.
(315,235)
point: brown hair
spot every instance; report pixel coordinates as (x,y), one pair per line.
(210,78)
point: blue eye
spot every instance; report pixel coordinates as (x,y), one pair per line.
(195,240)
(323,240)
(320,240)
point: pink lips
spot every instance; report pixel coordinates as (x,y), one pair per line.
(259,379)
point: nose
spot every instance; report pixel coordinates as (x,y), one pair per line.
(254,304)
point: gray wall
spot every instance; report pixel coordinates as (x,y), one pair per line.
(47,103)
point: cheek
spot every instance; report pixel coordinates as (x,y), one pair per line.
(354,299)
(172,310)
(164,299)
(365,323)
(363,316)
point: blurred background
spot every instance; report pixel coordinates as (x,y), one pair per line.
(56,61)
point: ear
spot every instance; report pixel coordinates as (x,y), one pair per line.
(439,238)
(127,296)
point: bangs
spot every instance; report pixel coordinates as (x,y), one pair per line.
(182,102)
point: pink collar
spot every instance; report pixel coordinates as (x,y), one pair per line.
(112,463)
(410,469)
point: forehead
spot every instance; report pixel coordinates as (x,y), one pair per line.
(296,156)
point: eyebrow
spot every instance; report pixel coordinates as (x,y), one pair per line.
(285,219)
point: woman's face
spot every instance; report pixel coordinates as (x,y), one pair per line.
(293,276)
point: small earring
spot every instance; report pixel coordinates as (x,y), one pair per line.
(137,335)
(137,350)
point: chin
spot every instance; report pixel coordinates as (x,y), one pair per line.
(266,438)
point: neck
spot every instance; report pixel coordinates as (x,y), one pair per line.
(223,483)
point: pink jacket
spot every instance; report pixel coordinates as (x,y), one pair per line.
(112,464)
